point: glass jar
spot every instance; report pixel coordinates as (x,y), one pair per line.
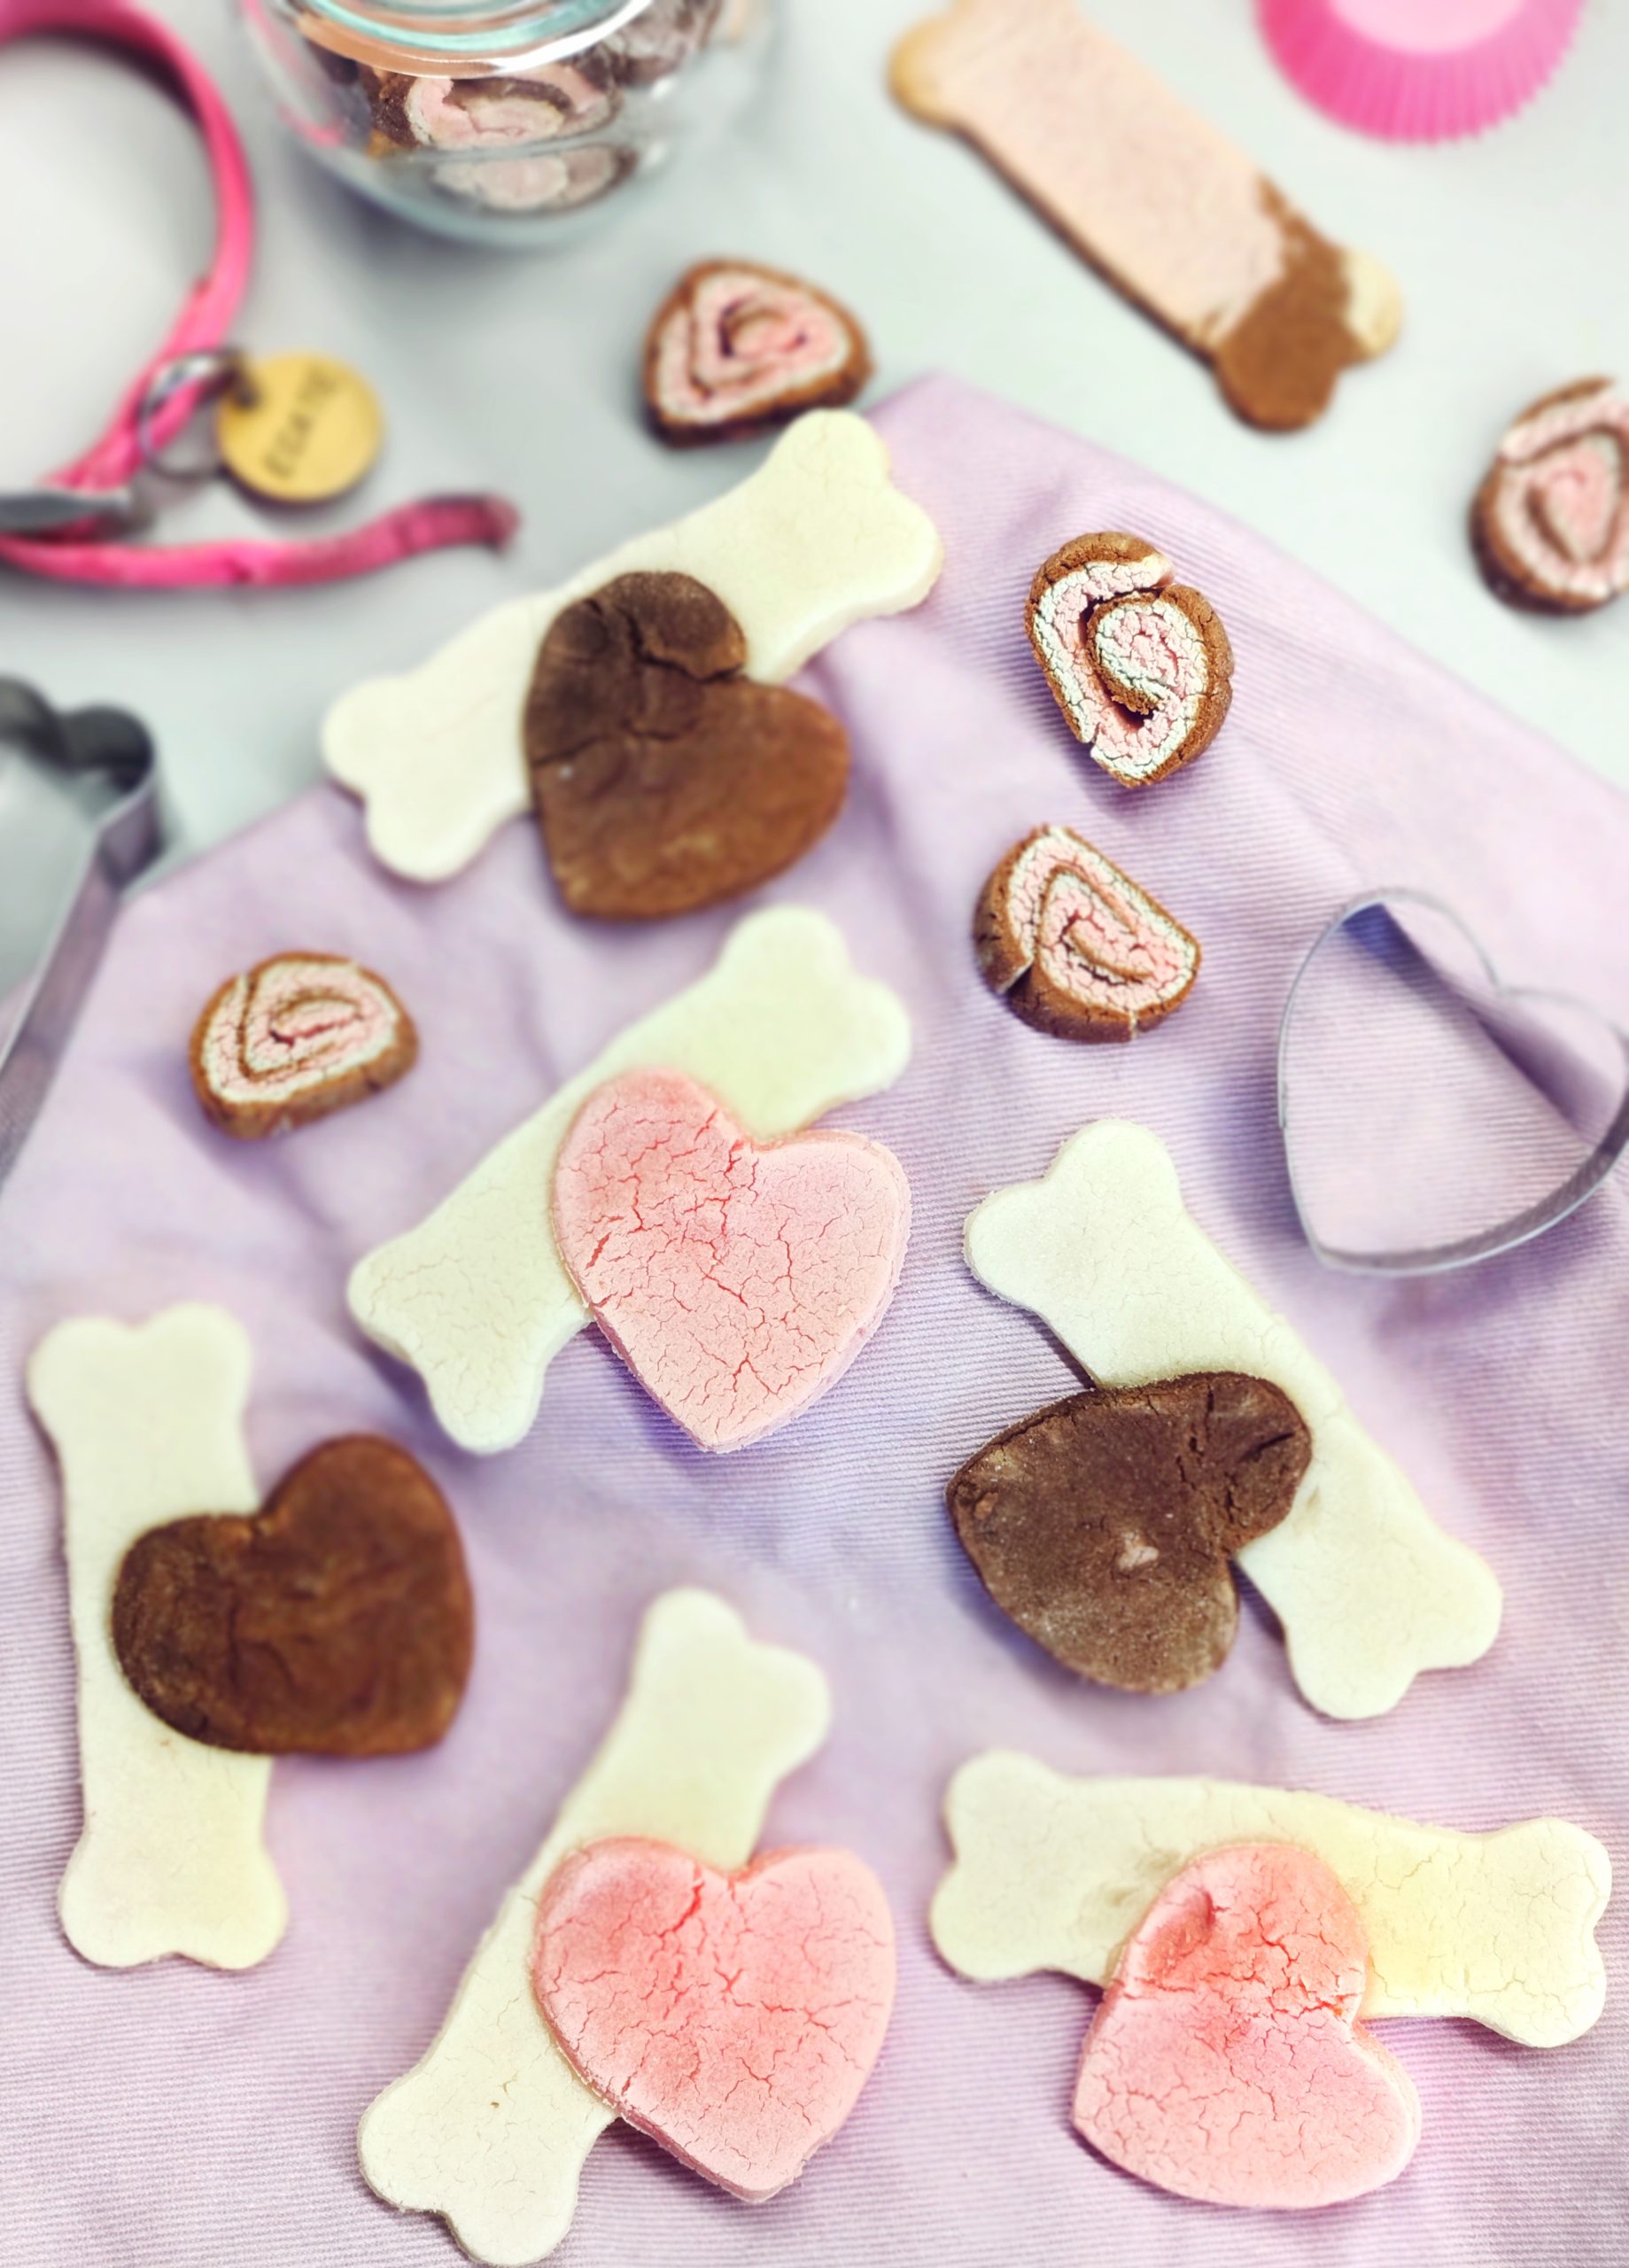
(504,125)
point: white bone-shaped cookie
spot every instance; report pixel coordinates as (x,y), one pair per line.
(491,2130)
(477,1298)
(816,539)
(1055,1872)
(147,1424)
(1368,1589)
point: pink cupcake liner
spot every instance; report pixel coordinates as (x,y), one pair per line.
(1418,70)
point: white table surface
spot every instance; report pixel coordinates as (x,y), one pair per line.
(519,372)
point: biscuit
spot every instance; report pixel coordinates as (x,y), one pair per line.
(336,1621)
(299,1036)
(1499,1928)
(664,781)
(816,539)
(1227,2062)
(1155,198)
(1104,1524)
(1550,523)
(738,1280)
(732,2017)
(476,1297)
(1140,666)
(1370,1592)
(736,347)
(1074,947)
(713,1720)
(147,1422)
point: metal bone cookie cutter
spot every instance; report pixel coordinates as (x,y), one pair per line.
(102,759)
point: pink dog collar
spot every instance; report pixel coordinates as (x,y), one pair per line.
(75,551)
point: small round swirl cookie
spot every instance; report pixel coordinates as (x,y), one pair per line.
(736,347)
(296,1037)
(1139,664)
(1074,947)
(1550,522)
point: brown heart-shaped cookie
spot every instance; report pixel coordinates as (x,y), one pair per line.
(1104,1524)
(664,781)
(336,1621)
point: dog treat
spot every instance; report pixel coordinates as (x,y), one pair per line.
(335,1622)
(1551,521)
(1227,2062)
(300,1035)
(735,347)
(733,2018)
(477,1298)
(573,97)
(1140,666)
(816,539)
(147,1424)
(1369,1591)
(712,1722)
(484,117)
(664,781)
(1074,947)
(661,40)
(1104,1525)
(737,1280)
(1155,197)
(1052,1873)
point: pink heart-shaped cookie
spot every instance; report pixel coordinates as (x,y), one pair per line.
(733,2018)
(738,1280)
(1227,2062)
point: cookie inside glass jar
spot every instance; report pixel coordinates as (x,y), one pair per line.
(499,125)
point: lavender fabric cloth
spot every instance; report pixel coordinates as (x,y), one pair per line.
(175,2118)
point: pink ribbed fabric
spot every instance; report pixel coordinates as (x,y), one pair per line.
(175,2119)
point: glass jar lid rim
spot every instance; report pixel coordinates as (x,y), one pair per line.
(518,32)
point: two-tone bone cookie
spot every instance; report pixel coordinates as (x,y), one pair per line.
(736,346)
(1105,1524)
(1139,663)
(1074,947)
(295,1038)
(336,1621)
(1163,204)
(1550,522)
(737,1279)
(663,779)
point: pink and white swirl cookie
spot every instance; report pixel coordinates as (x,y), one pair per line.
(1551,520)
(1139,664)
(299,1036)
(735,347)
(1074,947)
(479,118)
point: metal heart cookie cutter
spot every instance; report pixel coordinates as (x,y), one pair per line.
(1432,1114)
(95,761)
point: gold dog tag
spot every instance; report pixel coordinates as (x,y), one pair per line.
(299,429)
